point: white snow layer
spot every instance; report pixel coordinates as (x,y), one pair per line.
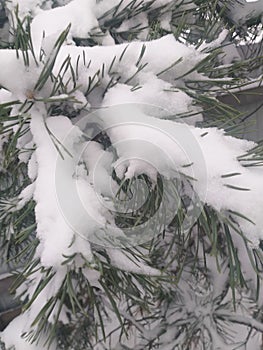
(149,145)
(64,166)
(243,10)
(53,231)
(78,13)
(13,336)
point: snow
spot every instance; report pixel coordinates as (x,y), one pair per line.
(12,336)
(243,10)
(54,21)
(71,175)
(214,44)
(148,145)
(26,195)
(54,232)
(128,263)
(99,163)
(24,79)
(5,96)
(26,7)
(152,90)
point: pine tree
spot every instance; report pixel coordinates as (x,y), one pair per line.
(130,208)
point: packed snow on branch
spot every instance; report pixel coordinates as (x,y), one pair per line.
(134,94)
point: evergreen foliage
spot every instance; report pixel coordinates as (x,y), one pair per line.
(178,289)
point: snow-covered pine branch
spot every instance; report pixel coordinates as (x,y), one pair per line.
(120,199)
